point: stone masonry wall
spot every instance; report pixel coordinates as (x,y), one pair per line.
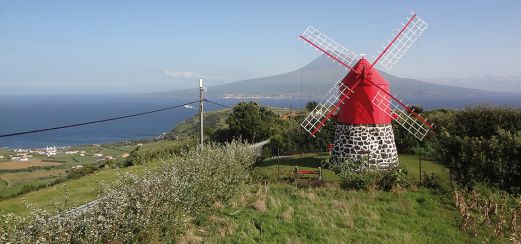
(358,141)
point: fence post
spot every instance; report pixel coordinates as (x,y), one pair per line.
(278,163)
(450,177)
(296,169)
(320,174)
(420,160)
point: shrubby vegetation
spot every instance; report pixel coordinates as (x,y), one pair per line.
(249,122)
(77,173)
(432,181)
(154,206)
(139,156)
(481,144)
(253,123)
(354,174)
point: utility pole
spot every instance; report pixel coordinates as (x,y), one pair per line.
(201,108)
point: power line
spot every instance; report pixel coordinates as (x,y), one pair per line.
(95,122)
(216,103)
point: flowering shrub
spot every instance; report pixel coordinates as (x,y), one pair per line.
(157,205)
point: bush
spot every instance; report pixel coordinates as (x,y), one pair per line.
(360,181)
(80,172)
(432,181)
(139,156)
(394,178)
(156,205)
(482,145)
(354,174)
(249,122)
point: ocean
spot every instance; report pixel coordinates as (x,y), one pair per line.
(23,113)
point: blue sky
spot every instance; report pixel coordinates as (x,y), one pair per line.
(145,46)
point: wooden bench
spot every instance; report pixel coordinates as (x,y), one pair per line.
(318,172)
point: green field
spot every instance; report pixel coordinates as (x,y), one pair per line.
(79,191)
(14,179)
(85,189)
(20,179)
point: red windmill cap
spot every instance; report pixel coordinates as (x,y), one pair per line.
(359,109)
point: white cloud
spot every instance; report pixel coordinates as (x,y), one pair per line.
(182,74)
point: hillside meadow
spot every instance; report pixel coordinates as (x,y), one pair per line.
(283,210)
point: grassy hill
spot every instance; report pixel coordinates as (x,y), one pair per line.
(213,120)
(281,211)
(278,213)
(191,127)
(41,171)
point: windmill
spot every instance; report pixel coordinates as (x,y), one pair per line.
(362,103)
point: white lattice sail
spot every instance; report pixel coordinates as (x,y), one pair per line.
(409,120)
(321,113)
(402,41)
(331,48)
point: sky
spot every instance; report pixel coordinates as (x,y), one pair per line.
(108,46)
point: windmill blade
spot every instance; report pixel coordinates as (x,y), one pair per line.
(331,48)
(401,42)
(337,95)
(403,115)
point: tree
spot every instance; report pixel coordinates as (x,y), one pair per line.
(481,144)
(310,105)
(417,109)
(252,123)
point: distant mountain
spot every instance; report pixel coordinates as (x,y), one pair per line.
(499,83)
(314,81)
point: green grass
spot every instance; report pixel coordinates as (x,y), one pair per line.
(151,146)
(278,211)
(14,183)
(331,215)
(411,163)
(284,167)
(3,184)
(85,189)
(79,191)
(8,189)
(12,190)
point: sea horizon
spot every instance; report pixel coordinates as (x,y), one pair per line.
(31,112)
